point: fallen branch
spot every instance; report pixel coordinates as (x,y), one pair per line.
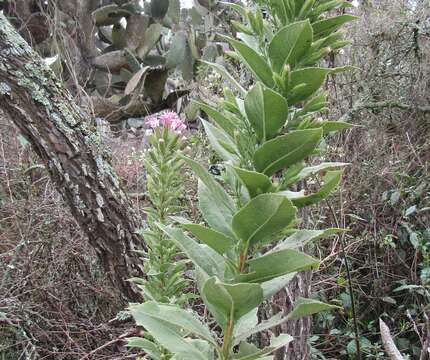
(388,342)
(382,105)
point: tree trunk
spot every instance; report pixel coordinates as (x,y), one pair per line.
(60,133)
(299,329)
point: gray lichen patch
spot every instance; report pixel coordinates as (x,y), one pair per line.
(5,89)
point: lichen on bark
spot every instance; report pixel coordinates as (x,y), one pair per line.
(62,135)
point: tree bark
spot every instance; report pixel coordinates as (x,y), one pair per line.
(61,135)
(299,329)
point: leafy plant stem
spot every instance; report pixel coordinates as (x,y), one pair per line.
(227,339)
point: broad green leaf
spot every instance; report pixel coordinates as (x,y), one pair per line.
(174,315)
(306,307)
(327,26)
(331,180)
(215,239)
(301,237)
(221,142)
(216,215)
(166,334)
(264,325)
(263,216)
(233,300)
(256,62)
(312,170)
(148,346)
(305,82)
(272,287)
(266,110)
(201,255)
(256,183)
(286,150)
(276,264)
(290,44)
(222,121)
(246,322)
(224,73)
(218,194)
(275,344)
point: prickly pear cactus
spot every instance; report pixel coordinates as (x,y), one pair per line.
(148,42)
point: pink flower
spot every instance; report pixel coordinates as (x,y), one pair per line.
(167,119)
(153,121)
(171,120)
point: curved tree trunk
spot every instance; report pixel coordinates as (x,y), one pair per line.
(60,133)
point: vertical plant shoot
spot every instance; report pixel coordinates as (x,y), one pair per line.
(265,136)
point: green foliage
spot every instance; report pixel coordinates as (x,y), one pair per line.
(164,274)
(265,136)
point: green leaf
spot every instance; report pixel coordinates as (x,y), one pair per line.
(174,315)
(286,150)
(221,142)
(325,27)
(290,44)
(233,301)
(201,255)
(262,217)
(305,82)
(167,335)
(148,346)
(332,126)
(312,170)
(219,195)
(216,215)
(301,237)
(331,180)
(272,287)
(264,325)
(275,344)
(224,73)
(215,239)
(276,264)
(222,121)
(255,62)
(255,182)
(305,307)
(266,110)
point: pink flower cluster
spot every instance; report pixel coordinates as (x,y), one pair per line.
(168,119)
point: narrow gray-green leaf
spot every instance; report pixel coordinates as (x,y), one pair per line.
(201,255)
(215,239)
(224,73)
(301,237)
(255,62)
(307,307)
(331,180)
(221,142)
(276,264)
